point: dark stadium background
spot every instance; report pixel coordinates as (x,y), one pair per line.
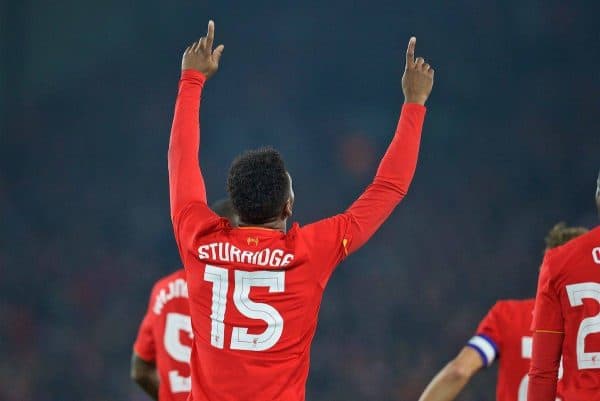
(511,146)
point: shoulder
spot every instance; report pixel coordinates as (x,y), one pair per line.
(166,289)
(165,280)
(508,309)
(494,316)
(196,218)
(585,246)
(586,241)
(501,306)
(328,229)
(514,304)
(500,309)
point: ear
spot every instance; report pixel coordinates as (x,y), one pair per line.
(287,209)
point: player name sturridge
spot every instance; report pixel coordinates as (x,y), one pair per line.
(226,252)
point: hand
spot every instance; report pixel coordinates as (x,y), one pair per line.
(417,80)
(200,55)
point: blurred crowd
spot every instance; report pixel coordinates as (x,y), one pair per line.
(510,147)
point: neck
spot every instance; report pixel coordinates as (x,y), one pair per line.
(275,224)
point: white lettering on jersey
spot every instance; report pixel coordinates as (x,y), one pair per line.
(590,325)
(176,289)
(226,252)
(174,325)
(596,255)
(244,281)
(526,349)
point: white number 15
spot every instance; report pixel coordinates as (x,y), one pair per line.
(244,280)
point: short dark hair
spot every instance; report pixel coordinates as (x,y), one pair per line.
(224,208)
(560,234)
(258,185)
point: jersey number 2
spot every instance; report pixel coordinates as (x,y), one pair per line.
(577,293)
(244,280)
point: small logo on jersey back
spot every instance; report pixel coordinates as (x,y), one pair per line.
(252,241)
(596,255)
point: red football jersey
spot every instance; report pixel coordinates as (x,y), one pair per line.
(255,293)
(568,302)
(165,336)
(505,333)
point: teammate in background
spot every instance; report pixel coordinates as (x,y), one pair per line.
(567,321)
(255,290)
(504,333)
(161,353)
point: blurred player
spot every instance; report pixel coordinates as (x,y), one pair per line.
(161,353)
(504,334)
(567,321)
(255,290)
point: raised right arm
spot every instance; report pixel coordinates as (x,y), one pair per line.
(358,223)
(391,183)
(398,165)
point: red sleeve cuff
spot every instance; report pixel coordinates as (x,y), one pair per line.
(414,107)
(146,355)
(193,76)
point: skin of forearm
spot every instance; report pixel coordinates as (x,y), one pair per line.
(149,383)
(145,375)
(446,385)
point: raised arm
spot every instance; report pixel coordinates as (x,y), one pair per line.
(398,165)
(199,63)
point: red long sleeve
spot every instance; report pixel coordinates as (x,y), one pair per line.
(336,237)
(393,178)
(186,184)
(545,360)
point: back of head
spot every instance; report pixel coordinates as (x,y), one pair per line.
(560,234)
(224,208)
(259,186)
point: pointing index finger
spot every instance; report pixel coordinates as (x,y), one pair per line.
(210,34)
(410,52)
